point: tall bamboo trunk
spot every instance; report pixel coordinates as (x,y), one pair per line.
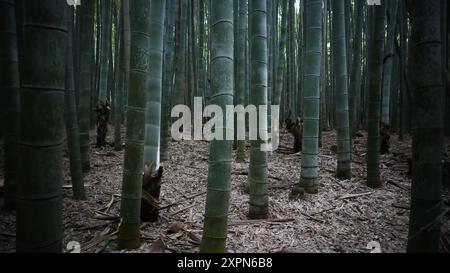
(239,98)
(259,199)
(281,66)
(103,107)
(168,78)
(375,79)
(201,48)
(120,80)
(388,61)
(341,86)
(222,83)
(39,224)
(180,88)
(355,80)
(70,115)
(140,20)
(402,66)
(153,171)
(425,72)
(153,106)
(10,97)
(324,80)
(85,80)
(311,95)
(127,44)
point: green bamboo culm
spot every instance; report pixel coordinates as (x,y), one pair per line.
(257,178)
(193,49)
(404,103)
(348,36)
(341,91)
(427,87)
(105,37)
(10,95)
(96,65)
(201,47)
(180,88)
(330,89)
(114,76)
(236,33)
(270,58)
(281,66)
(70,115)
(368,29)
(240,75)
(274,46)
(153,106)
(388,60)
(167,78)
(86,65)
(110,93)
(292,75)
(126,33)
(102,114)
(120,66)
(124,67)
(127,49)
(39,224)
(324,85)
(140,20)
(300,67)
(222,83)
(311,95)
(189,94)
(355,82)
(375,85)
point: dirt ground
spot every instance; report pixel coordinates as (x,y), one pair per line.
(344,217)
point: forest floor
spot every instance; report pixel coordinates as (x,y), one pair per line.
(344,217)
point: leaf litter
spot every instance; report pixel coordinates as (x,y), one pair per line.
(346,216)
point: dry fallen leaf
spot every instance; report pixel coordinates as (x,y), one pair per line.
(175,236)
(194,239)
(293,250)
(157,247)
(175,228)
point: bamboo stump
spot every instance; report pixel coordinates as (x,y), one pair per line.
(385,145)
(151,189)
(103,111)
